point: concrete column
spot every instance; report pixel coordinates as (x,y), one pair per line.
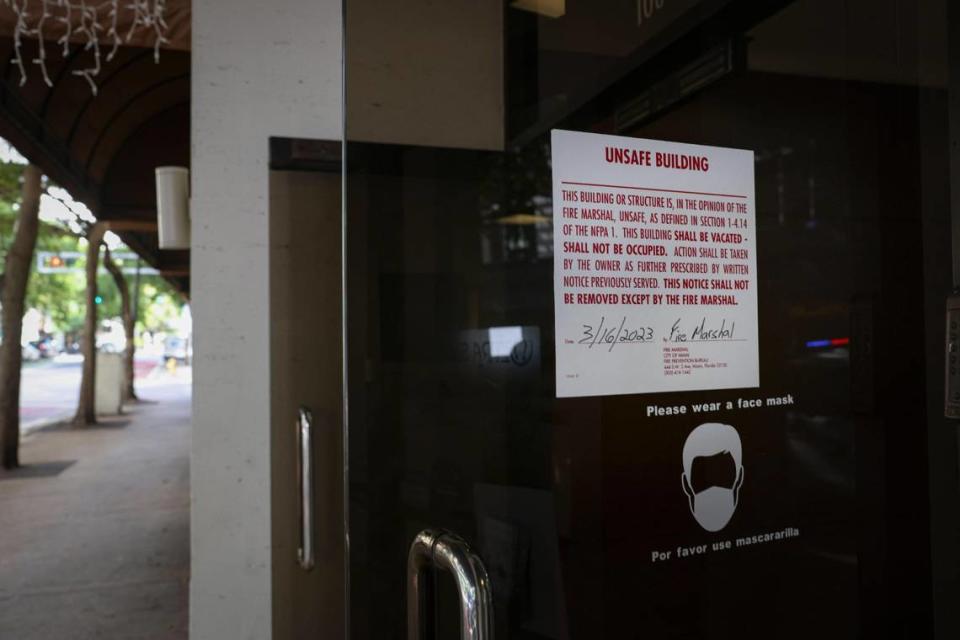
(259,69)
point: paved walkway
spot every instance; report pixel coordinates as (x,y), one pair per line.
(94,529)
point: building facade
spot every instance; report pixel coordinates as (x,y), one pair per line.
(641,310)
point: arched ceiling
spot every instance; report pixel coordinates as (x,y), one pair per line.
(104,148)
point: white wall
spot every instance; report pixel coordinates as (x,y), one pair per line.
(259,69)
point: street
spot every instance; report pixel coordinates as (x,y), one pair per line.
(49,389)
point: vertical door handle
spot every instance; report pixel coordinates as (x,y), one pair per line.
(305,486)
(433,548)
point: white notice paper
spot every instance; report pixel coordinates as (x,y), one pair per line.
(655,270)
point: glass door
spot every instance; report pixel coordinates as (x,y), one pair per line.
(757,448)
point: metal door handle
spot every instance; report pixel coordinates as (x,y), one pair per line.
(305,486)
(435,548)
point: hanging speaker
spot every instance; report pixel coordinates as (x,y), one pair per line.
(173,207)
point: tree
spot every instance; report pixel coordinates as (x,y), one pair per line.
(15,277)
(161,306)
(86,407)
(126,316)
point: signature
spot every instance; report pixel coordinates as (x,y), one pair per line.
(701,332)
(614,333)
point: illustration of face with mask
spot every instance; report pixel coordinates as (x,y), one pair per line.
(713,506)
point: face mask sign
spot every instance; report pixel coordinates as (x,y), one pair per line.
(714,506)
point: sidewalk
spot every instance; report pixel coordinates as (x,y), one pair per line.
(94,530)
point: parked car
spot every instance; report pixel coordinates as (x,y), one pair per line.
(48,347)
(30,353)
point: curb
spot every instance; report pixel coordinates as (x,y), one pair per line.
(27,428)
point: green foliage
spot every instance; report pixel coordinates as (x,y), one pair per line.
(160,305)
(10,175)
(61,296)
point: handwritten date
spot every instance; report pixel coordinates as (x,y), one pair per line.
(609,335)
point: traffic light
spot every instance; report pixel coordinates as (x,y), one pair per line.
(58,261)
(98,299)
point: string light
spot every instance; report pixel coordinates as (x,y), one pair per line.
(85,21)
